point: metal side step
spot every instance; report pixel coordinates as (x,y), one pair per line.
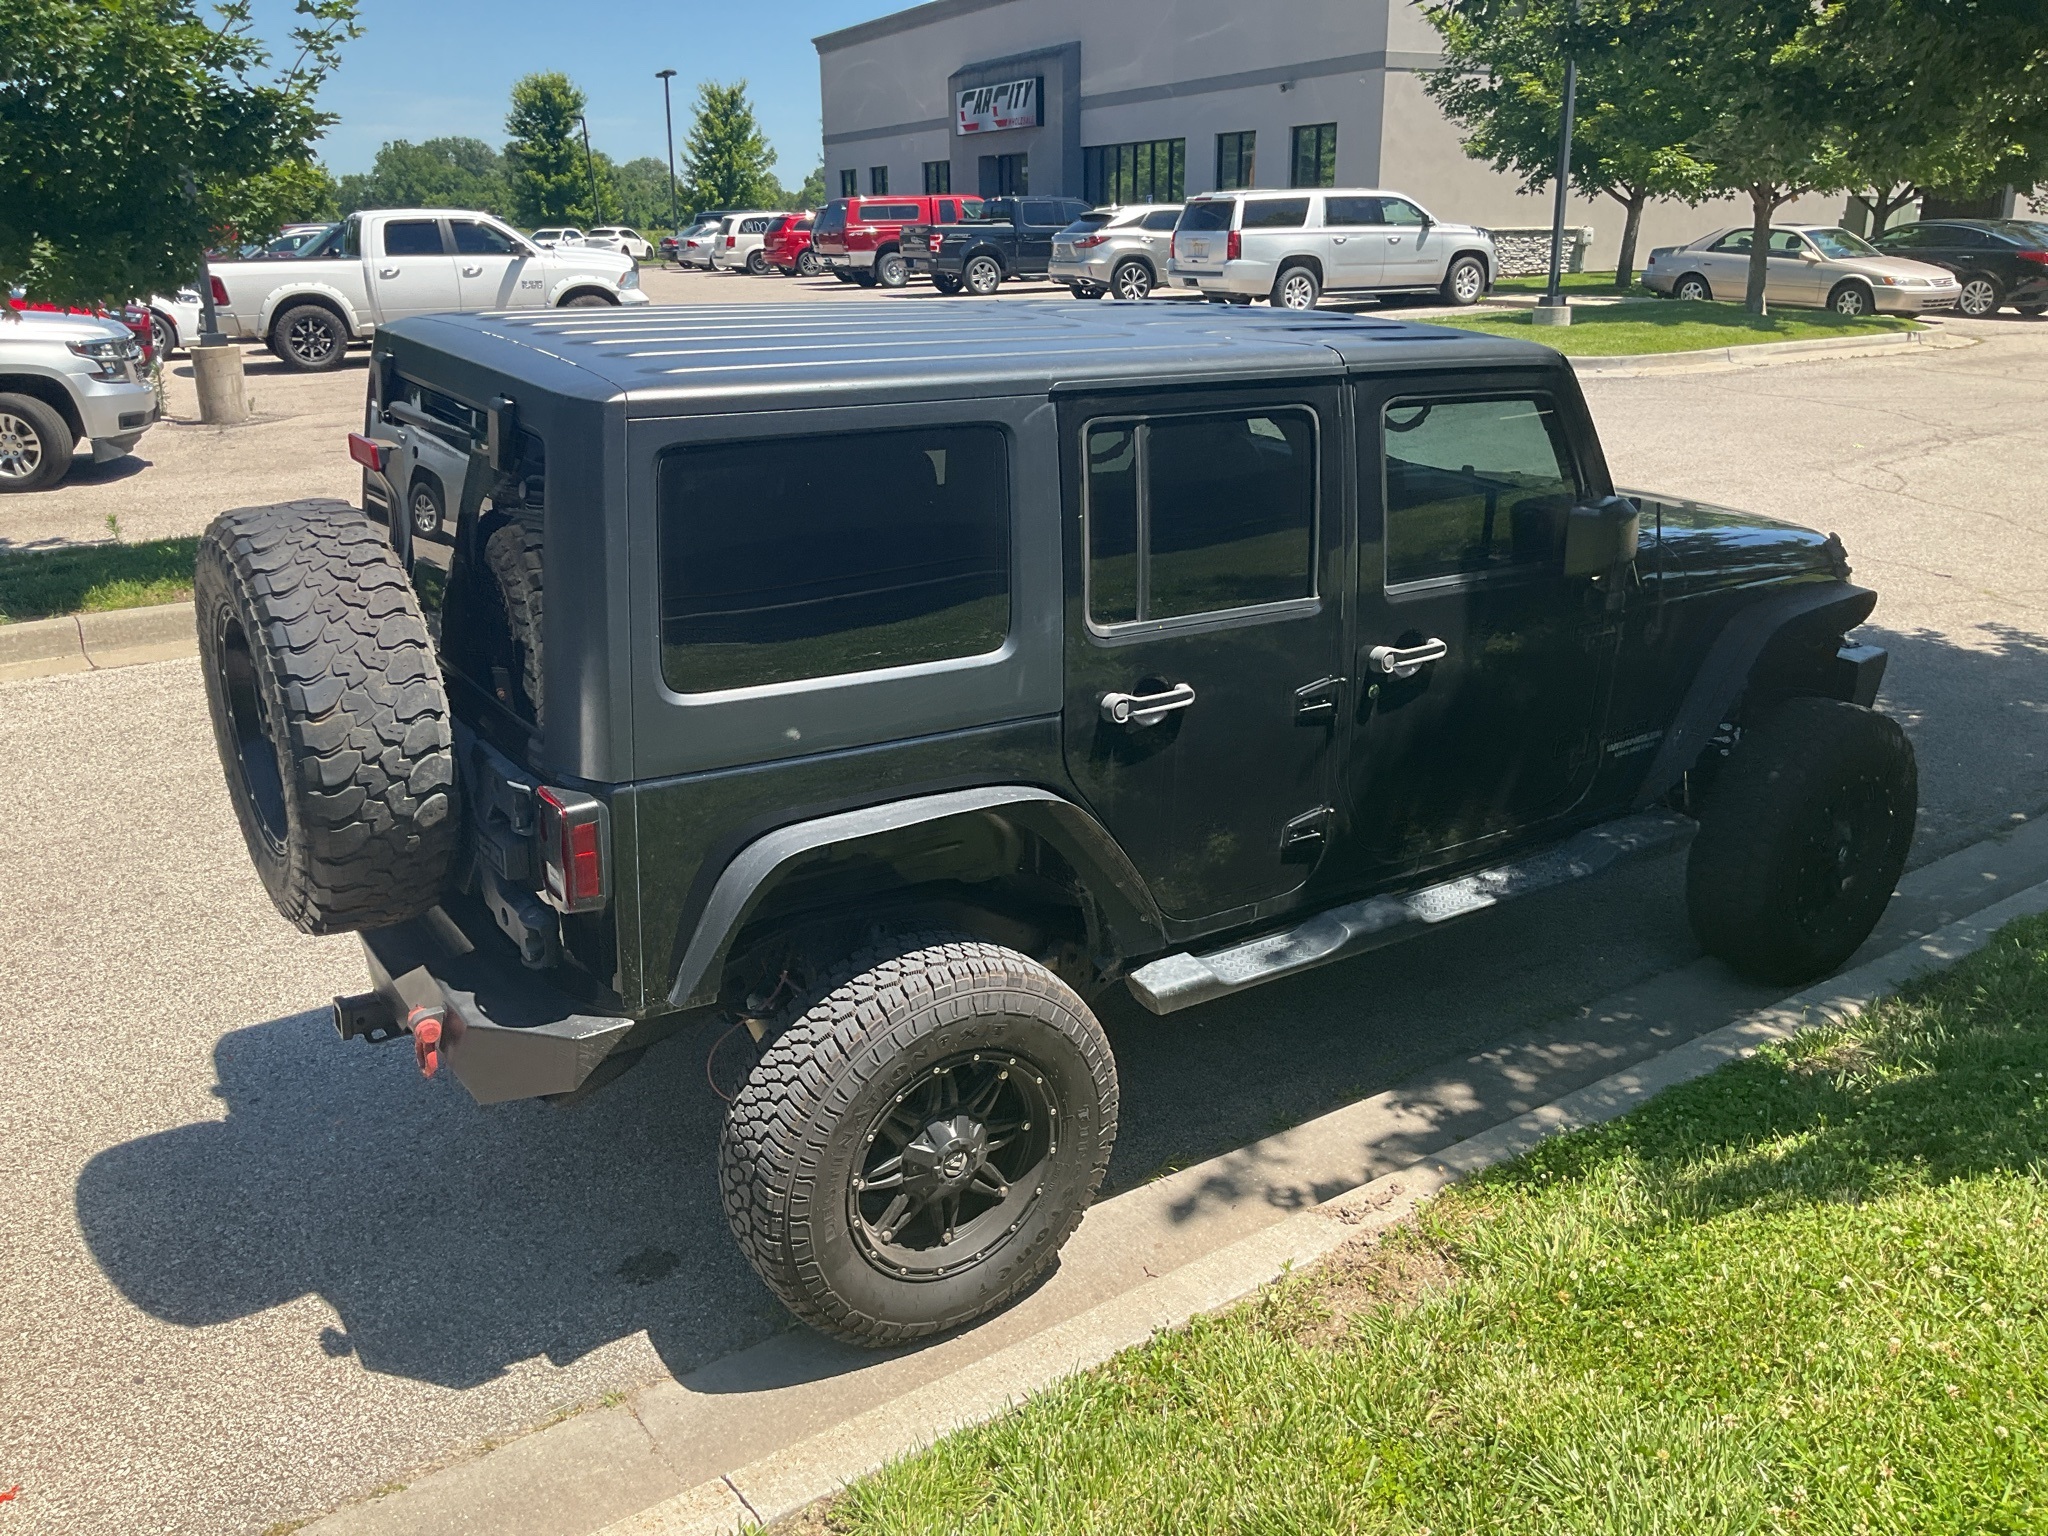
(1179,981)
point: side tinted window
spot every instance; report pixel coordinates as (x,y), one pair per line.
(1199,514)
(854,553)
(1351,210)
(1163,221)
(474,239)
(1734,240)
(1041,213)
(412,237)
(1275,213)
(1398,210)
(1474,485)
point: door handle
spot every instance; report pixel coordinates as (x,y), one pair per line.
(1339,239)
(1133,711)
(472,271)
(387,271)
(1316,703)
(1406,661)
(1393,239)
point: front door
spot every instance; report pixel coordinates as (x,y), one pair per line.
(1413,258)
(416,273)
(494,269)
(1204,637)
(1481,667)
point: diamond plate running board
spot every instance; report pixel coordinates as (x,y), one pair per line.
(1178,981)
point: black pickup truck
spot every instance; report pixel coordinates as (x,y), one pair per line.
(1012,238)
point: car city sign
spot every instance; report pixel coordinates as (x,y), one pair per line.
(989,108)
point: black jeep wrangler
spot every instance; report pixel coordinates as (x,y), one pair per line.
(892,696)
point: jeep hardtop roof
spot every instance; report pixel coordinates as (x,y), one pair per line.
(682,359)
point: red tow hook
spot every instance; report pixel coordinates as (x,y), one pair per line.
(424,1024)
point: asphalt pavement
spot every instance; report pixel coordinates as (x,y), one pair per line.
(252,1274)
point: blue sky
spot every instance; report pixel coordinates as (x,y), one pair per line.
(427,68)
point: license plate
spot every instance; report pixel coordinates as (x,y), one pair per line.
(1199,248)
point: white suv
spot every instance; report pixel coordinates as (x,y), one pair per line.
(62,378)
(1292,247)
(617,237)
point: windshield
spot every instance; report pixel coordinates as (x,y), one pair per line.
(1207,215)
(1086,222)
(1840,244)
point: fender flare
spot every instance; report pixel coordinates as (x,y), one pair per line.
(279,298)
(1725,672)
(568,282)
(1129,916)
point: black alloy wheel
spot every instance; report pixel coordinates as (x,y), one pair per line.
(310,338)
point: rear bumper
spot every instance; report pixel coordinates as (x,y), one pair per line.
(859,261)
(508,1033)
(1251,278)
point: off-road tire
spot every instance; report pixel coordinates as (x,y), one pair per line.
(590,301)
(329,714)
(513,554)
(310,338)
(1802,839)
(42,444)
(794,1140)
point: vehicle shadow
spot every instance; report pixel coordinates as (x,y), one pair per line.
(85,472)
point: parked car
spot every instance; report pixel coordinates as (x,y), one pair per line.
(295,239)
(738,245)
(1293,247)
(946,736)
(617,237)
(1009,237)
(66,377)
(670,245)
(174,321)
(1997,261)
(134,318)
(787,246)
(549,239)
(1813,266)
(700,240)
(1123,251)
(861,239)
(374,268)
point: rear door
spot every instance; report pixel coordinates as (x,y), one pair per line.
(1201,241)
(1480,666)
(1204,557)
(1357,243)
(1038,220)
(414,272)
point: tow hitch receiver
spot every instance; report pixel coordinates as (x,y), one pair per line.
(366,1016)
(374,1017)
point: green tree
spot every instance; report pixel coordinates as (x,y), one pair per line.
(547,176)
(1503,82)
(640,193)
(438,173)
(132,130)
(812,193)
(726,161)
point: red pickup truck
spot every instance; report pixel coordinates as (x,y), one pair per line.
(857,237)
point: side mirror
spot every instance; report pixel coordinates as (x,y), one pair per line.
(1601,538)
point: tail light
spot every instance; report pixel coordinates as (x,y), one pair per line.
(574,850)
(367,451)
(1173,247)
(1233,248)
(1088,242)
(220,291)
(2038,258)
(731,241)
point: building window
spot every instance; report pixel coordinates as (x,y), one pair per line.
(878,180)
(1315,156)
(849,183)
(1234,162)
(938,176)
(1149,171)
(1005,175)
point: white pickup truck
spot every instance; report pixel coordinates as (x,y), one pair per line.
(375,267)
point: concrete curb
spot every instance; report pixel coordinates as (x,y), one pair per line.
(1763,354)
(90,642)
(784,1482)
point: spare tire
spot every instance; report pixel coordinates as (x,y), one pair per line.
(328,711)
(514,555)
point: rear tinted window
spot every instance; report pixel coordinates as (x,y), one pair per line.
(1163,220)
(854,553)
(1207,216)
(1086,222)
(1227,502)
(1275,213)
(412,237)
(832,219)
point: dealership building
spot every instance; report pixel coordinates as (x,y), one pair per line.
(1162,100)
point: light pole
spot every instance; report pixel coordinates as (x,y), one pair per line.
(669,116)
(590,165)
(1552,309)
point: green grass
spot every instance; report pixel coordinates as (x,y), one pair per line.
(1574,282)
(1808,1294)
(94,578)
(1667,325)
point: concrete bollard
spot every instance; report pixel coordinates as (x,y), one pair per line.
(217,370)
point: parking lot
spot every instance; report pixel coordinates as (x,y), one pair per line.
(284,1273)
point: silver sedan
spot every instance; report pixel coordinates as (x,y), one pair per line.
(1810,265)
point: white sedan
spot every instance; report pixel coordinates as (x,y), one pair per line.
(1809,265)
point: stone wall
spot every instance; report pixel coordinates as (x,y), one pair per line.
(1525,252)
